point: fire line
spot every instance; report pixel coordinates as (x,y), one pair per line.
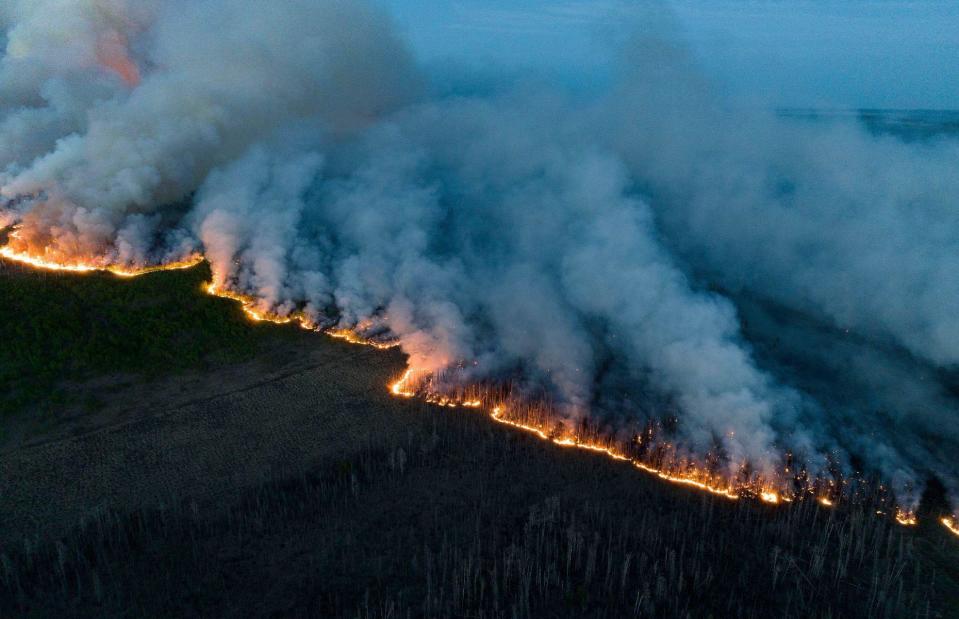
(405,387)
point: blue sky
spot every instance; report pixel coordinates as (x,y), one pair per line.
(829,53)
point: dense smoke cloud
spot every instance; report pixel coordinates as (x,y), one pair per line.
(203,99)
(778,285)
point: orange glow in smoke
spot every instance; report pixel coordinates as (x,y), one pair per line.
(112,54)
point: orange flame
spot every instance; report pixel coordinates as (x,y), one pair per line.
(769,497)
(91,267)
(400,388)
(694,479)
(906,518)
(248,304)
(406,387)
(353,337)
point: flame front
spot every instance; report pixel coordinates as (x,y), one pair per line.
(249,305)
(408,386)
(92,267)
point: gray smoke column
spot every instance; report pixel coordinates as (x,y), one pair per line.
(775,286)
(216,76)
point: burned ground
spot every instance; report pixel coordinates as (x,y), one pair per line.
(272,475)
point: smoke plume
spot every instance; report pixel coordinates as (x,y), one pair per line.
(773,285)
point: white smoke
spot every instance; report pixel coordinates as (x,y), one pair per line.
(579,246)
(219,75)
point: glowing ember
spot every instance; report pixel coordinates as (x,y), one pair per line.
(906,518)
(951,523)
(825,501)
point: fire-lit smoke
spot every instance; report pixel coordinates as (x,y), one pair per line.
(112,54)
(712,294)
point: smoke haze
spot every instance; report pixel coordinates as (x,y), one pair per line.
(776,285)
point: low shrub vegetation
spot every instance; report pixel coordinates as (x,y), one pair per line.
(59,329)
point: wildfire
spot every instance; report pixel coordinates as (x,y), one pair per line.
(248,304)
(694,478)
(353,337)
(406,386)
(400,388)
(907,518)
(769,497)
(690,480)
(90,267)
